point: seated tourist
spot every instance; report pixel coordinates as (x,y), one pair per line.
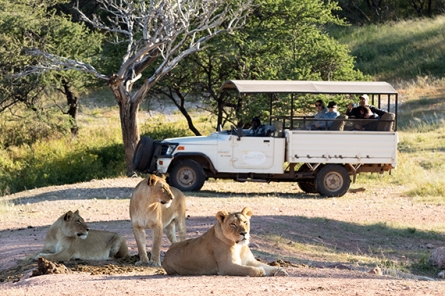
(331,114)
(355,111)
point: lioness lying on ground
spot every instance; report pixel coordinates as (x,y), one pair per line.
(156,205)
(223,249)
(70,238)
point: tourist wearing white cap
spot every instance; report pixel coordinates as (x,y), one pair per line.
(364,99)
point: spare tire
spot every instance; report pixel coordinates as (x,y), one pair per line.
(143,154)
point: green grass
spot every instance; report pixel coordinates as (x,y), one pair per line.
(397,51)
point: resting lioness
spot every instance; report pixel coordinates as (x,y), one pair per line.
(223,249)
(156,205)
(70,238)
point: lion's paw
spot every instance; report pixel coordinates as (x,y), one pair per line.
(141,263)
(258,271)
(154,264)
(280,272)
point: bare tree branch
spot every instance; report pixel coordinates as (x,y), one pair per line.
(52,62)
(173,29)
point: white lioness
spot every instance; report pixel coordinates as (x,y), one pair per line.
(157,206)
(70,238)
(223,250)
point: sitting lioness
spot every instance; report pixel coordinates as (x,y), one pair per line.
(156,205)
(70,238)
(222,250)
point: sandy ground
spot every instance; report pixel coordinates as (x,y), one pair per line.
(283,217)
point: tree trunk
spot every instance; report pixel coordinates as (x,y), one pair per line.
(130,132)
(73,106)
(128,109)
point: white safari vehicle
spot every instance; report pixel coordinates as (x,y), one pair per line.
(320,161)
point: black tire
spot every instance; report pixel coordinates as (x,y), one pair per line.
(306,186)
(187,175)
(332,181)
(143,154)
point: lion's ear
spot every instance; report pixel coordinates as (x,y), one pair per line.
(221,216)
(68,216)
(247,212)
(163,177)
(152,180)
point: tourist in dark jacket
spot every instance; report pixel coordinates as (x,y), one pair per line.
(364,99)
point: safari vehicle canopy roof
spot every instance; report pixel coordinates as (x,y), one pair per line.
(316,87)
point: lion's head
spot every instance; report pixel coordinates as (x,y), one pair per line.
(74,225)
(160,189)
(236,226)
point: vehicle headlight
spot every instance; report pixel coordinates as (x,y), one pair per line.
(170,149)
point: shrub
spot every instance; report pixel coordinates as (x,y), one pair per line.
(160,128)
(60,161)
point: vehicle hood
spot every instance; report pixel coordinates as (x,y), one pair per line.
(200,140)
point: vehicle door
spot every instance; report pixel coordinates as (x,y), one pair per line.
(253,153)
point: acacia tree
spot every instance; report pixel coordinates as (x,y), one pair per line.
(282,39)
(158,34)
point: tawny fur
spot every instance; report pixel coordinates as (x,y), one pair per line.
(155,205)
(223,250)
(70,238)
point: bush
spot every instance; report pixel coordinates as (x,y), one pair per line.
(159,128)
(30,127)
(57,162)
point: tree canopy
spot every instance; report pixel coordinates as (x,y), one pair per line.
(282,39)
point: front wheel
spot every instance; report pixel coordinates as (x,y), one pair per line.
(332,181)
(187,175)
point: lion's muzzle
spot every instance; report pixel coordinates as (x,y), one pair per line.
(167,204)
(83,235)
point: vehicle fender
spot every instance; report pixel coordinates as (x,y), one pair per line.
(162,164)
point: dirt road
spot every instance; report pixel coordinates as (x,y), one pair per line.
(307,233)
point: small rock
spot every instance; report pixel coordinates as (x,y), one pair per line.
(441,274)
(376,270)
(438,258)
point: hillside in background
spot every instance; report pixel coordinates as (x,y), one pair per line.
(397,51)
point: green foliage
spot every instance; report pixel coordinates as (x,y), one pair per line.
(29,127)
(282,40)
(94,154)
(397,51)
(31,24)
(159,128)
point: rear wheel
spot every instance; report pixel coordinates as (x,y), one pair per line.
(332,180)
(143,154)
(187,175)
